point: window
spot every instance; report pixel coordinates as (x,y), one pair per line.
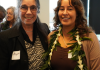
(52,5)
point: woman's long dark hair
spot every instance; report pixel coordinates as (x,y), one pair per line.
(41,29)
(81,21)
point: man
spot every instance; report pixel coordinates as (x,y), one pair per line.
(2,13)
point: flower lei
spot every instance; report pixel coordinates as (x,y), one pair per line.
(76,53)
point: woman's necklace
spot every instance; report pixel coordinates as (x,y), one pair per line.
(65,42)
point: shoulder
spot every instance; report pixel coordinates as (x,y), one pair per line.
(45,25)
(51,33)
(4,35)
(94,43)
(4,26)
(93,36)
(45,28)
(9,32)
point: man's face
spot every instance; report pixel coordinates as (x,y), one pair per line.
(1,16)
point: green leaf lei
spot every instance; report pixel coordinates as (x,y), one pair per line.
(77,53)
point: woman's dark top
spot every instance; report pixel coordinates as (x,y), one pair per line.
(5,25)
(60,60)
(14,40)
(34,50)
(25,36)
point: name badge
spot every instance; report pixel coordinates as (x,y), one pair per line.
(69,55)
(15,55)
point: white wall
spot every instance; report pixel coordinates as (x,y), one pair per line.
(44,11)
(8,3)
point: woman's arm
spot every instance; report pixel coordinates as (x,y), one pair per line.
(92,51)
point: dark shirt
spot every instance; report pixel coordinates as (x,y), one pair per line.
(26,36)
(60,60)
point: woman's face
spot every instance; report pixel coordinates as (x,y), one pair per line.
(28,11)
(10,15)
(67,13)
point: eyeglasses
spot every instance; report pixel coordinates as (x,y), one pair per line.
(24,8)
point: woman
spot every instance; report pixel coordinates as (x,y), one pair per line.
(2,15)
(11,17)
(22,46)
(73,45)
